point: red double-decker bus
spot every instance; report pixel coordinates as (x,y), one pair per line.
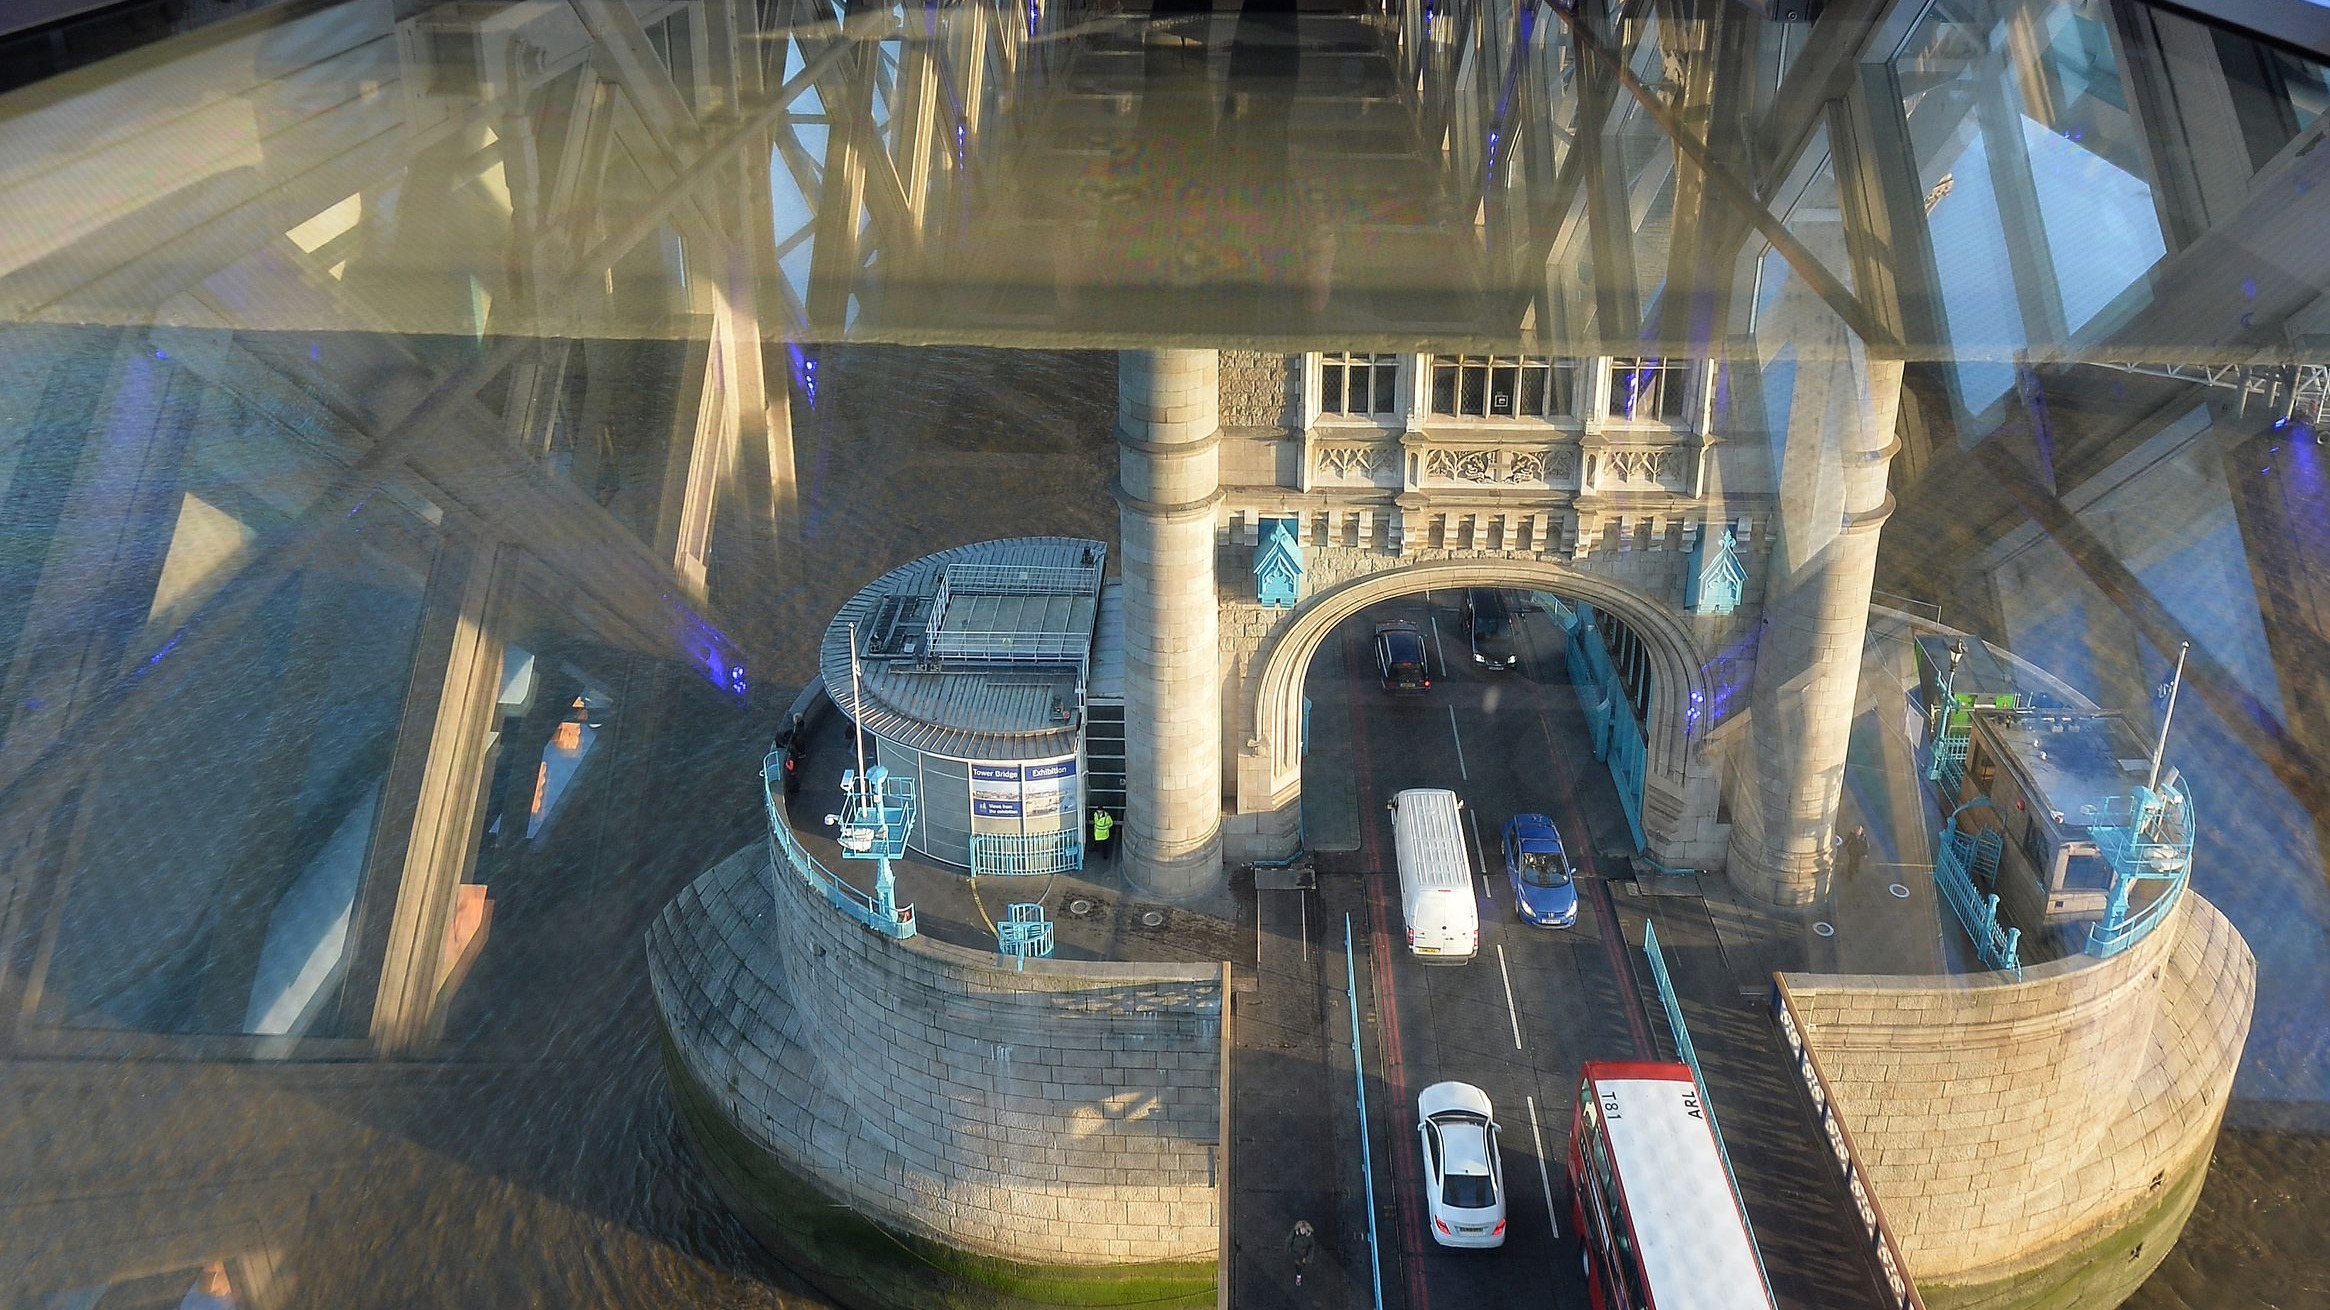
(1662,1227)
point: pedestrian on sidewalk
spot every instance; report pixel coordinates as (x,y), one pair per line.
(1301,1242)
(1103,833)
(1856,850)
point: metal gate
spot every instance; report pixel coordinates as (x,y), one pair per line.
(1005,855)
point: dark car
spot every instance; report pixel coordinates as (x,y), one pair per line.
(1399,657)
(1543,883)
(1488,622)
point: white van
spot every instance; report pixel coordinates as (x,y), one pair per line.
(1444,925)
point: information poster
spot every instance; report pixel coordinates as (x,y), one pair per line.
(1048,790)
(995,791)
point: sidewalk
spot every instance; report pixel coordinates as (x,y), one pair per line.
(1884,917)
(1293,1123)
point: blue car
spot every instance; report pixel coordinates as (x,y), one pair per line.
(1543,881)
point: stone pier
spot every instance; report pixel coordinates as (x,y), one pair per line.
(2039,1141)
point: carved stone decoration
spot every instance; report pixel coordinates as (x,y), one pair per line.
(1352,461)
(1461,465)
(1643,463)
(1550,467)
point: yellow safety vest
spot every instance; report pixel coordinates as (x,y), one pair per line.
(1101,824)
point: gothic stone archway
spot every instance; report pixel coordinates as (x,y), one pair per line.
(1264,702)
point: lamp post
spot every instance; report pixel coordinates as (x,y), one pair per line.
(1938,714)
(1950,686)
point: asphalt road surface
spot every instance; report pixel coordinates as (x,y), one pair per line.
(1517,1021)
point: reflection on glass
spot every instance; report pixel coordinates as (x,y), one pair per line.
(431,433)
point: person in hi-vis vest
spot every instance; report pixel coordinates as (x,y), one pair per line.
(1103,833)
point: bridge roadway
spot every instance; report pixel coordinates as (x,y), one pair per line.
(1517,1022)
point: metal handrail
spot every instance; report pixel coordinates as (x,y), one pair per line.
(2105,942)
(1690,1054)
(1359,1088)
(788,851)
(1875,1230)
(1021,579)
(2129,857)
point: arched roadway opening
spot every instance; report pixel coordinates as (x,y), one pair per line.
(1270,766)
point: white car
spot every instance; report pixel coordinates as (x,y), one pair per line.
(1464,1183)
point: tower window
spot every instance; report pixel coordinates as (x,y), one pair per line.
(1358,386)
(1503,386)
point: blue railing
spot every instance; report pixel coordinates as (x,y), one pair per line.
(2154,845)
(1690,1054)
(1949,762)
(1960,857)
(1026,854)
(1618,740)
(1359,1090)
(790,854)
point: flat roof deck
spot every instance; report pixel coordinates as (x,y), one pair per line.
(2080,764)
(999,675)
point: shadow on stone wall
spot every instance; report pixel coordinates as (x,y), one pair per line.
(865,1266)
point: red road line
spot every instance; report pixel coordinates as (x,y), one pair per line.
(1406,1171)
(1614,935)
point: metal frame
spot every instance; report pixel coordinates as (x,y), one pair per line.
(2154,845)
(1960,858)
(896,921)
(1024,932)
(1033,646)
(1683,1047)
(1618,737)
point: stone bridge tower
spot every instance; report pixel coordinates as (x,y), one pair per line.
(1626,484)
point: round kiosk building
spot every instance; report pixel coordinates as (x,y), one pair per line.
(991,675)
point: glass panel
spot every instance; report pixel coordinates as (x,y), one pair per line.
(432,466)
(1533,389)
(1504,381)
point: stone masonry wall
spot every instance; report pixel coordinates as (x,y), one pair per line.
(2006,1125)
(1068,1113)
(1261,390)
